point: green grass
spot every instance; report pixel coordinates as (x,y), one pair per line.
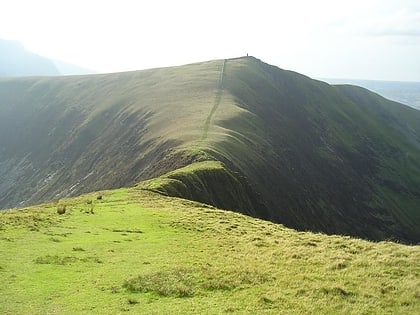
(210,182)
(294,150)
(141,252)
(301,143)
(133,123)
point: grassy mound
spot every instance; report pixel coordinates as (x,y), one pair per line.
(208,182)
(136,251)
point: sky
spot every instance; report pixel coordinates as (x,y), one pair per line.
(369,39)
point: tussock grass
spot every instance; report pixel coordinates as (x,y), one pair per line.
(61,209)
(183,282)
(55,260)
(64,260)
(146,253)
(177,283)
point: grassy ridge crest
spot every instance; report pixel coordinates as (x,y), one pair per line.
(208,182)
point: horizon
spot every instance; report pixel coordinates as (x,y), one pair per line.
(325,79)
(362,40)
(329,80)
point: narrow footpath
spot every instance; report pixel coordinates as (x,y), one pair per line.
(217,100)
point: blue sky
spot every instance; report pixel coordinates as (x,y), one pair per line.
(367,39)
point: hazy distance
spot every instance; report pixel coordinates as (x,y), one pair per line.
(377,40)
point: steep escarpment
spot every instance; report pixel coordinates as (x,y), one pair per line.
(324,158)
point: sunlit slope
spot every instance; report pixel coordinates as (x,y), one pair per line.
(67,135)
(136,252)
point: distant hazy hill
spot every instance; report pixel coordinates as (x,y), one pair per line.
(15,60)
(69,69)
(403,92)
(238,133)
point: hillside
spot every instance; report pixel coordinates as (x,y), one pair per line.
(238,134)
(137,252)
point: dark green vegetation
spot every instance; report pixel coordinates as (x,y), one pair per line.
(403,92)
(144,253)
(238,134)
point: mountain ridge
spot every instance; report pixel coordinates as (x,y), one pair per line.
(306,154)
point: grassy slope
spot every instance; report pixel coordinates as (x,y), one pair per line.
(69,135)
(140,252)
(298,151)
(209,182)
(316,154)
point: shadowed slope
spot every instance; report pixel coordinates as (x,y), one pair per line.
(334,159)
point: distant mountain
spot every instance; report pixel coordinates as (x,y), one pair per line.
(65,68)
(407,93)
(15,61)
(236,133)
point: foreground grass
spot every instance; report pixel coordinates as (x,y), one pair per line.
(139,252)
